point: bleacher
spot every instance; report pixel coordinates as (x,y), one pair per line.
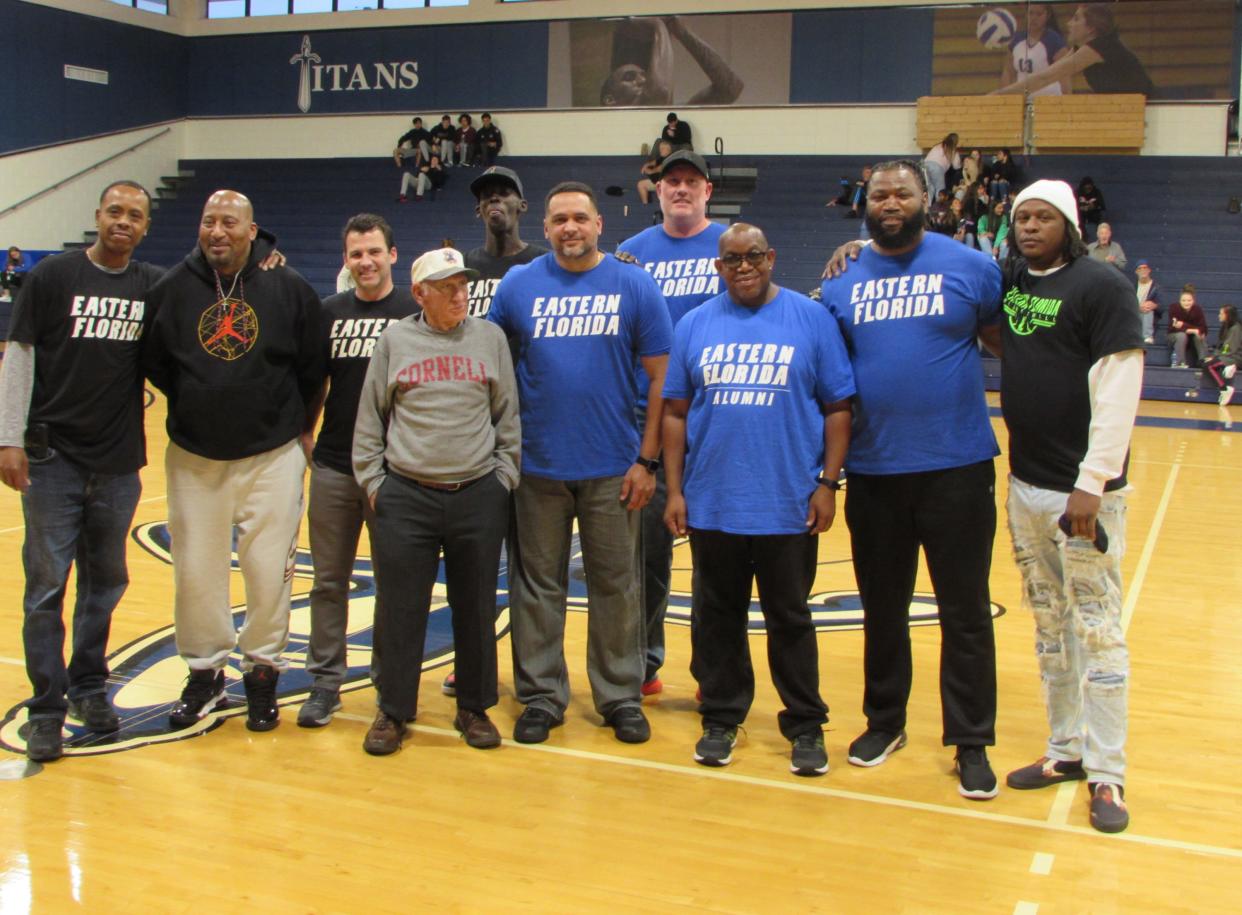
(1168,211)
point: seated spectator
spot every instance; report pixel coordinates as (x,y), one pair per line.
(1149,296)
(444,137)
(651,168)
(489,139)
(1002,175)
(1090,203)
(1224,364)
(853,195)
(993,231)
(1187,324)
(415,142)
(963,225)
(467,141)
(1105,250)
(940,218)
(972,167)
(677,133)
(16,264)
(430,175)
(974,207)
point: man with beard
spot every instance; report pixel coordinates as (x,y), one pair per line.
(680,255)
(238,353)
(352,322)
(1073,350)
(920,469)
(579,320)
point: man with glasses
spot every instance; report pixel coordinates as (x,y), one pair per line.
(758,371)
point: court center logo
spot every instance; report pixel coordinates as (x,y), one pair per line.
(148,674)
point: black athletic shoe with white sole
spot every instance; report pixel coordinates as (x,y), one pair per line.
(262,713)
(204,691)
(873,747)
(976,780)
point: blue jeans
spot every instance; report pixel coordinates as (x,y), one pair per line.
(72,516)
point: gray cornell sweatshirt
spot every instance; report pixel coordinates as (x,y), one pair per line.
(438,406)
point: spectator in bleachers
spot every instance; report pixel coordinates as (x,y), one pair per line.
(414,142)
(467,141)
(15,266)
(1187,325)
(1002,175)
(993,231)
(957,221)
(1224,364)
(940,218)
(1149,295)
(1090,203)
(430,175)
(1105,250)
(853,195)
(975,206)
(651,170)
(972,167)
(1037,49)
(444,138)
(1099,55)
(677,133)
(940,159)
(489,139)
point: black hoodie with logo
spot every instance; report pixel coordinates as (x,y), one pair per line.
(240,370)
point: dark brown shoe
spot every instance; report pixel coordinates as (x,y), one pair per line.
(477,728)
(385,735)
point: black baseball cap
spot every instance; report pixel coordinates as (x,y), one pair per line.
(686,157)
(497,173)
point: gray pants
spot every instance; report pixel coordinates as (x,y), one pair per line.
(338,508)
(608,534)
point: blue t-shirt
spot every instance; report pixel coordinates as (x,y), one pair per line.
(683,268)
(910,323)
(578,335)
(755,379)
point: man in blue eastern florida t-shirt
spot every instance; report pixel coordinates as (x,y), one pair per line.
(680,254)
(920,466)
(579,319)
(755,431)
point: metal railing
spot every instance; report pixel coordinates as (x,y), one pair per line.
(85,171)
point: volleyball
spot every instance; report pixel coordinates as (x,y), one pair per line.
(996,29)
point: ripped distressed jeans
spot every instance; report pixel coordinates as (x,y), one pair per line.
(1074,593)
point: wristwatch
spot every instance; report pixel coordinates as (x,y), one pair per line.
(834,485)
(651,465)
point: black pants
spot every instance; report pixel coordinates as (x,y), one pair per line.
(952,515)
(412,525)
(726,565)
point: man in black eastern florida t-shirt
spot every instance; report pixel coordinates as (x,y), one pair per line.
(238,352)
(71,393)
(1072,374)
(501,203)
(352,322)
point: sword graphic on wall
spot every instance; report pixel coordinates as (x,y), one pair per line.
(304,57)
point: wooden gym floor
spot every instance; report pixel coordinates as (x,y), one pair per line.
(301,820)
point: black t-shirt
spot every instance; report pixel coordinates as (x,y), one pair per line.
(415,136)
(490,134)
(1119,71)
(86,326)
(491,272)
(1055,328)
(444,132)
(350,329)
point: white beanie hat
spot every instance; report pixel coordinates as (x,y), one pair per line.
(1057,193)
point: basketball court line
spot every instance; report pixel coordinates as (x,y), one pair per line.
(804,787)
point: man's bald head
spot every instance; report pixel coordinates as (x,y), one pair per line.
(226,231)
(754,234)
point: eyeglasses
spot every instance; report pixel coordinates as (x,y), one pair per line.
(754,257)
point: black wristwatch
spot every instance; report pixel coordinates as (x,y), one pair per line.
(651,465)
(834,485)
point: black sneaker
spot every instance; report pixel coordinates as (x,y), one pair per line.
(629,724)
(449,685)
(204,691)
(533,725)
(715,747)
(976,780)
(1044,772)
(96,712)
(808,756)
(1108,807)
(873,747)
(44,742)
(262,713)
(319,707)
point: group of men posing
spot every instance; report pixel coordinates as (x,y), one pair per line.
(521,391)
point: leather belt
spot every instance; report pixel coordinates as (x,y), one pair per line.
(445,487)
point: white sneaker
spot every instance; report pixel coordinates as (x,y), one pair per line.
(1225,396)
